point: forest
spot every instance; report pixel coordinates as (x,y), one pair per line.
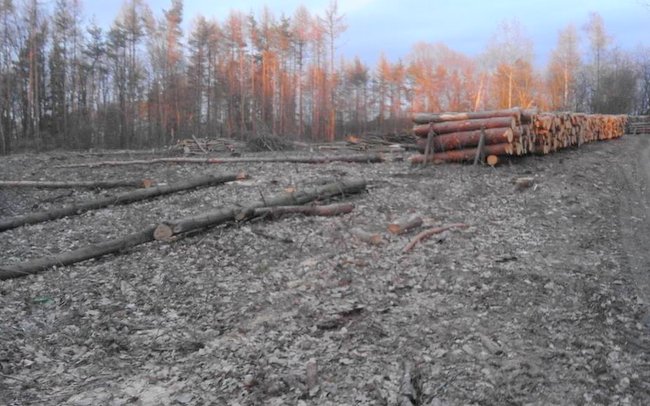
(67,82)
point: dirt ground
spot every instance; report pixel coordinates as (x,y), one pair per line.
(543,300)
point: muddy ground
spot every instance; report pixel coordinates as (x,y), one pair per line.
(543,300)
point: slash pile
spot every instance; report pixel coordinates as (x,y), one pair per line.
(455,137)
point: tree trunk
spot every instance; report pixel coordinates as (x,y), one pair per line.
(142,194)
(326,211)
(169,229)
(108,184)
(463,155)
(468,139)
(467,125)
(149,234)
(372,158)
(426,118)
(67,258)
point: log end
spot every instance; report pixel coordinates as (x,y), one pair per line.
(492,160)
(163,232)
(147,183)
(242,175)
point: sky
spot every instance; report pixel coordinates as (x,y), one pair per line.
(393,26)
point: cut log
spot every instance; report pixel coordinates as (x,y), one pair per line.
(492,160)
(463,155)
(467,125)
(124,198)
(431,232)
(323,211)
(469,139)
(67,258)
(425,118)
(105,184)
(149,234)
(405,225)
(365,158)
(169,229)
(367,237)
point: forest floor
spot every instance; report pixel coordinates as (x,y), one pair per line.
(543,300)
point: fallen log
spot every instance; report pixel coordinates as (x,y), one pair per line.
(71,257)
(468,139)
(124,198)
(147,235)
(462,155)
(425,118)
(107,184)
(323,211)
(431,232)
(404,225)
(467,125)
(364,158)
(168,229)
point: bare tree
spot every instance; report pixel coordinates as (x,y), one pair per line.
(509,46)
(563,69)
(599,40)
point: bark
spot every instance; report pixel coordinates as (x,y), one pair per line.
(149,234)
(426,118)
(468,139)
(405,225)
(67,258)
(169,229)
(141,183)
(431,232)
(463,155)
(466,125)
(124,198)
(325,211)
(365,158)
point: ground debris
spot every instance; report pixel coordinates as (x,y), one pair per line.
(537,304)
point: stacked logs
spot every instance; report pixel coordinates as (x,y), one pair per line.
(456,137)
(638,125)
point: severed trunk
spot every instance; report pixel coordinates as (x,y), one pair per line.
(189,224)
(124,198)
(364,158)
(463,155)
(102,184)
(466,125)
(468,139)
(426,118)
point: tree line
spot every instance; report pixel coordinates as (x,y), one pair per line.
(66,82)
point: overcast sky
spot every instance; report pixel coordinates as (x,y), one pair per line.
(464,25)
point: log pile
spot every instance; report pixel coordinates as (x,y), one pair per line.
(638,125)
(456,137)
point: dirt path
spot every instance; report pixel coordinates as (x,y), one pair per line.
(634,214)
